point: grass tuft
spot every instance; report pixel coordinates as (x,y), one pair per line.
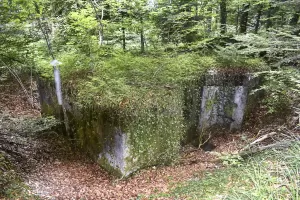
(271,175)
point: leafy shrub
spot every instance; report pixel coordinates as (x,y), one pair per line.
(232,160)
(281,89)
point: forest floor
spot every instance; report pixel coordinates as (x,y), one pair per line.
(53,169)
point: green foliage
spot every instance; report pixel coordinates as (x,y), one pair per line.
(11,184)
(111,80)
(34,126)
(271,175)
(15,34)
(281,89)
(277,47)
(231,57)
(232,160)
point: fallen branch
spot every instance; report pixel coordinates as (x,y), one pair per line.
(263,138)
(260,139)
(277,145)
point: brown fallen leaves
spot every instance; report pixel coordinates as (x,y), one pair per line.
(79,179)
(82,180)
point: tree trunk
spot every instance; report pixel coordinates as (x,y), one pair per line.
(142,37)
(269,21)
(223,16)
(294,19)
(123,39)
(294,22)
(244,18)
(258,16)
(101,30)
(209,20)
(196,11)
(237,19)
(99,19)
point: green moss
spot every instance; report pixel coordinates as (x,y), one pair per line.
(210,104)
(88,133)
(48,110)
(154,134)
(228,109)
(104,163)
(142,96)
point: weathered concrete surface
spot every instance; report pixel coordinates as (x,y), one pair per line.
(115,154)
(224,100)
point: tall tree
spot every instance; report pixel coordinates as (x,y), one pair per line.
(244,18)
(258,17)
(223,16)
(99,13)
(269,22)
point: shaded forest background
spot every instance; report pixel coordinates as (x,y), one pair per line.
(85,35)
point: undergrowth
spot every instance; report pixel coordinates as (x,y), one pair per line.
(107,80)
(11,185)
(271,175)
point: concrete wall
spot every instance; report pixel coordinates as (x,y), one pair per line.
(120,145)
(224,100)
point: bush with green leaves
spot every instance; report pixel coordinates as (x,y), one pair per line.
(281,88)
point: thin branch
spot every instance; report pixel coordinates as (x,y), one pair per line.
(99,21)
(20,83)
(44,32)
(278,145)
(263,138)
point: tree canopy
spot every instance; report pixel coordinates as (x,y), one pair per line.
(85,34)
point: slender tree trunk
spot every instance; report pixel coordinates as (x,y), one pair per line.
(244,18)
(142,42)
(123,39)
(294,19)
(99,19)
(223,16)
(101,28)
(294,22)
(269,21)
(142,37)
(196,10)
(209,20)
(237,19)
(258,16)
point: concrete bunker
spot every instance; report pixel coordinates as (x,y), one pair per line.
(123,144)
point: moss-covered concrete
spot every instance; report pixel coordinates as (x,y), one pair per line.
(124,140)
(148,131)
